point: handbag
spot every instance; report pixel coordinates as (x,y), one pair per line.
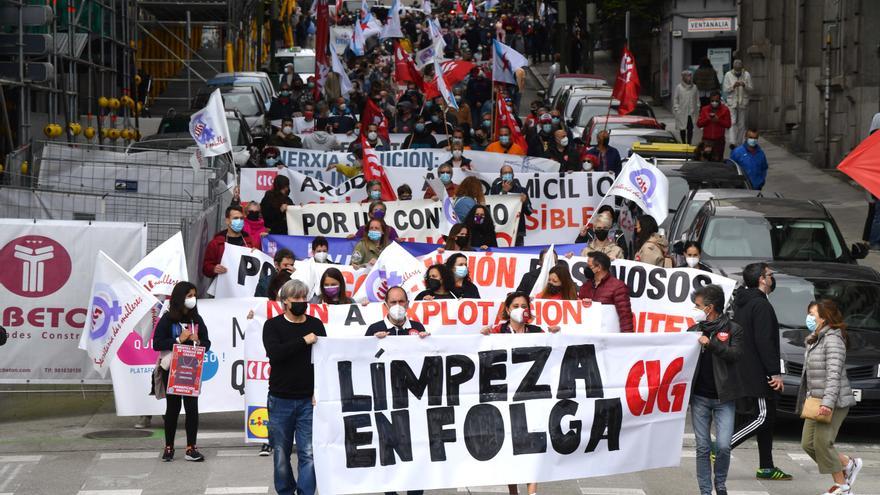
(811,410)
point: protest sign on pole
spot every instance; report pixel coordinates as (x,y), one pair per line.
(401,414)
(244,268)
(645,185)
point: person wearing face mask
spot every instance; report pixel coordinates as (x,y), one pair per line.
(331,289)
(564,153)
(532,117)
(438,283)
(340,108)
(305,124)
(737,85)
(459,239)
(752,159)
(288,340)
(605,288)
(271,157)
(183,325)
(686,106)
(602,240)
(421,137)
(376,142)
(396,321)
(405,120)
(824,380)
(288,76)
(254,225)
(714,119)
(404,192)
(444,173)
(478,91)
(540,137)
(481,140)
(692,253)
(321,250)
(234,234)
(285,138)
(376,211)
(435,123)
(716,386)
(607,158)
(459,136)
(374,192)
(274,205)
(463,288)
(559,285)
(368,249)
(458,160)
(505,144)
(283,261)
(282,106)
(651,246)
(760,370)
(508,184)
(481,227)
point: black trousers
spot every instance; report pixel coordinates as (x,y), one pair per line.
(756,416)
(172,412)
(687,135)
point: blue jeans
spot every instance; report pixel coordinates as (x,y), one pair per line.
(289,417)
(702,411)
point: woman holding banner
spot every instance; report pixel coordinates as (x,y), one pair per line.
(331,289)
(481,227)
(180,325)
(463,287)
(458,239)
(368,249)
(559,286)
(376,210)
(439,282)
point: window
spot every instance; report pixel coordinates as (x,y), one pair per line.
(304,65)
(243,102)
(857,301)
(783,239)
(733,237)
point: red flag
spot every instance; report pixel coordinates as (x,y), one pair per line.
(322,40)
(373,170)
(405,69)
(454,72)
(458,10)
(504,118)
(372,114)
(863,164)
(626,87)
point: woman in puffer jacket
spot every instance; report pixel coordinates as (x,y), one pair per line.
(651,247)
(824,377)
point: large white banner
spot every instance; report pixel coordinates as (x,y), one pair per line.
(401,413)
(46,271)
(414,220)
(561,203)
(244,268)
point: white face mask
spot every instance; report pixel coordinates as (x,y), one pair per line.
(372,136)
(692,262)
(190,302)
(287,130)
(397,312)
(698,315)
(456,154)
(321,256)
(518,314)
(564,141)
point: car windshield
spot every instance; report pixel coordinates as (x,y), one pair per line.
(784,239)
(246,103)
(304,65)
(857,300)
(590,111)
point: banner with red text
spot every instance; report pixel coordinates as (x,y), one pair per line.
(398,413)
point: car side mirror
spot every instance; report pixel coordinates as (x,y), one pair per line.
(859,251)
(678,248)
(541,94)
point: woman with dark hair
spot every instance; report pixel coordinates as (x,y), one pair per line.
(559,285)
(650,245)
(182,324)
(278,280)
(467,195)
(692,253)
(274,205)
(825,395)
(331,289)
(463,287)
(368,249)
(458,239)
(481,227)
(377,209)
(438,282)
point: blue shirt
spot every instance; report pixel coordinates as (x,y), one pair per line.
(754,164)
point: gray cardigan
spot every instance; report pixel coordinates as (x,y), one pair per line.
(824,374)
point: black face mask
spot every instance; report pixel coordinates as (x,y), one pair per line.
(554,289)
(432,284)
(461,240)
(298,308)
(601,234)
(253,215)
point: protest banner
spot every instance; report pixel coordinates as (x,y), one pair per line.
(45,299)
(256,390)
(185,374)
(244,268)
(117,305)
(394,267)
(401,414)
(414,220)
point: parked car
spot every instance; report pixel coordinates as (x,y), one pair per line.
(687,176)
(598,123)
(624,139)
(239,131)
(737,231)
(587,108)
(173,135)
(687,209)
(856,290)
(571,80)
(246,100)
(259,80)
(569,97)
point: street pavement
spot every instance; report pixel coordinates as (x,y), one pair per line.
(98,453)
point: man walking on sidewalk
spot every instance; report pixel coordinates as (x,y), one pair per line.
(760,374)
(737,86)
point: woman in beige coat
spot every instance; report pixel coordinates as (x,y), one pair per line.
(651,246)
(686,107)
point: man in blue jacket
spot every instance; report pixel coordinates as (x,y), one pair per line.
(751,158)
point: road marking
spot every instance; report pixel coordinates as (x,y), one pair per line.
(234,490)
(109,492)
(236,453)
(221,434)
(484,489)
(612,491)
(20,458)
(11,477)
(799,457)
(128,455)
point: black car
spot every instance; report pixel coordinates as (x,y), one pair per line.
(686,176)
(856,290)
(737,231)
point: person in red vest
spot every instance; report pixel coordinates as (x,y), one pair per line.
(714,120)
(605,288)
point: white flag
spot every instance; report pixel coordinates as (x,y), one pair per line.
(441,85)
(163,267)
(436,32)
(544,274)
(645,185)
(426,7)
(395,266)
(208,127)
(505,62)
(116,305)
(344,82)
(392,28)
(357,41)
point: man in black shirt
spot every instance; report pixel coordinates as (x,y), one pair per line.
(288,340)
(396,322)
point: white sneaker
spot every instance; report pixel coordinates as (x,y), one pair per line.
(839,490)
(852,470)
